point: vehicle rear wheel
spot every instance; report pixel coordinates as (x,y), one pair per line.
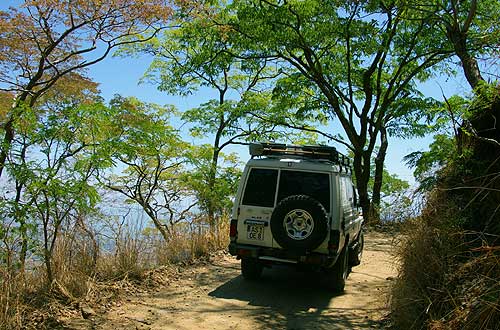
(299,223)
(251,268)
(337,275)
(357,252)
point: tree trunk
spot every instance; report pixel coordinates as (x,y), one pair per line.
(95,246)
(362,174)
(212,175)
(48,266)
(164,230)
(24,249)
(374,215)
(9,128)
(211,209)
(20,215)
(458,38)
(47,256)
(6,143)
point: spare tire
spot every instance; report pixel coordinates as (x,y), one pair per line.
(299,223)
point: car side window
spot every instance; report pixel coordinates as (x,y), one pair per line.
(315,185)
(350,195)
(260,188)
(345,191)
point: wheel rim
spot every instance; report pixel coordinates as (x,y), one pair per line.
(298,224)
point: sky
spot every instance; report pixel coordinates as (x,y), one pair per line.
(121,76)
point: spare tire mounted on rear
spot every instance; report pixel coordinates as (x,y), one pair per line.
(299,223)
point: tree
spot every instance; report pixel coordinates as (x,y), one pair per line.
(196,56)
(395,202)
(359,61)
(470,27)
(427,163)
(154,157)
(53,157)
(447,144)
(55,112)
(45,40)
(218,195)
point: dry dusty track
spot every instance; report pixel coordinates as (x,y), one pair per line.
(215,296)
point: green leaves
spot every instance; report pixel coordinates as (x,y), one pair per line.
(426,163)
(352,62)
(217,194)
(446,146)
(152,162)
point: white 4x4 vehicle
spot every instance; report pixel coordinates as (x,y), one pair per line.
(296,205)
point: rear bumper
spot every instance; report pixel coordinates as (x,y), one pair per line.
(270,255)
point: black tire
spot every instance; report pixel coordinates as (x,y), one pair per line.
(337,275)
(251,269)
(304,211)
(356,253)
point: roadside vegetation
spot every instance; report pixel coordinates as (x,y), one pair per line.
(96,191)
(449,254)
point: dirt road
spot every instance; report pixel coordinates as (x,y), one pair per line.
(215,296)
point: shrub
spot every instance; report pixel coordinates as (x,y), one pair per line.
(449,277)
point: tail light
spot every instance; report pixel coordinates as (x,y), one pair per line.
(233,229)
(334,241)
(332,247)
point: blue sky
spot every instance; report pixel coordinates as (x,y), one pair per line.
(121,76)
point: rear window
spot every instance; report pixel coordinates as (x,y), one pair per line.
(261,187)
(315,185)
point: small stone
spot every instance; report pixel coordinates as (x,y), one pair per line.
(87,312)
(144,321)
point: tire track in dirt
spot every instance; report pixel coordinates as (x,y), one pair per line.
(215,296)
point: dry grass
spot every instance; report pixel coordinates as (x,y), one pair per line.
(476,295)
(88,273)
(10,299)
(19,297)
(418,290)
(448,278)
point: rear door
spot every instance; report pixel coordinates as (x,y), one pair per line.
(256,207)
(312,184)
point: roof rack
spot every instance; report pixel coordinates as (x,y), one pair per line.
(318,152)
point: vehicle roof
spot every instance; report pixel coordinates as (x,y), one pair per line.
(297,164)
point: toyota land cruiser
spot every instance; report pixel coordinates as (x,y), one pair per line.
(296,205)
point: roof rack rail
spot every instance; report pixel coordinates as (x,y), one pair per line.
(305,151)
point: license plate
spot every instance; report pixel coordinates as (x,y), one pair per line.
(255,232)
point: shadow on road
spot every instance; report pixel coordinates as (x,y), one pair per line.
(289,299)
